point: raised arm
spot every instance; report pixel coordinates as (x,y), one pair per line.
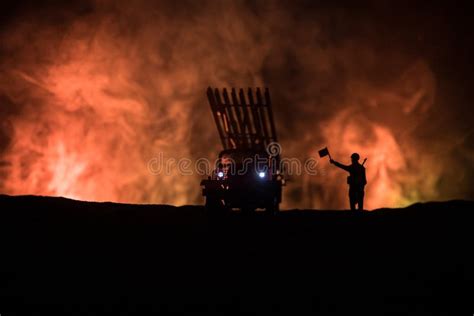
(340,165)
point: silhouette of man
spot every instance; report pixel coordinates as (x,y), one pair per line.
(356,181)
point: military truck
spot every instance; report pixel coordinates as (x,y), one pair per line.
(247,173)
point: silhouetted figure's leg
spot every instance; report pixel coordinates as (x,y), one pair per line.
(352,198)
(360,201)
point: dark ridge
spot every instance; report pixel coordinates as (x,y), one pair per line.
(94,258)
(62,201)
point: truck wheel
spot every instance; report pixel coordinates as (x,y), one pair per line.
(272,207)
(214,206)
(247,210)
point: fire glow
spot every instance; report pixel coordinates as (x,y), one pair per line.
(90,101)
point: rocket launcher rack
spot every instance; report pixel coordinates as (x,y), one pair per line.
(243,120)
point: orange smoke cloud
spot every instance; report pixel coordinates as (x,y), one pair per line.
(89,100)
(377,124)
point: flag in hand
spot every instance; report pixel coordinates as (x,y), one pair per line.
(324,152)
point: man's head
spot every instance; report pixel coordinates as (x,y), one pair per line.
(355,157)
